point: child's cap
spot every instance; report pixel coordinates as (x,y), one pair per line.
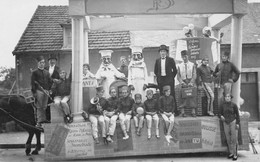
(138,96)
(149,91)
(111,88)
(166,88)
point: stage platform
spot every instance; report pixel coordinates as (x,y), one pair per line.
(191,135)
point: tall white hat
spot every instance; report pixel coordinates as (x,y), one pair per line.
(105,53)
(137,49)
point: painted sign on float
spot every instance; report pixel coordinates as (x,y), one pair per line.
(89,82)
(190,134)
(79,142)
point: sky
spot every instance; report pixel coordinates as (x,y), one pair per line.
(15,16)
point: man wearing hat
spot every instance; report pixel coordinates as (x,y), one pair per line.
(137,72)
(95,111)
(55,76)
(41,83)
(187,77)
(165,70)
(53,69)
(107,73)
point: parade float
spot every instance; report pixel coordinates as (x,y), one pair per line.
(190,135)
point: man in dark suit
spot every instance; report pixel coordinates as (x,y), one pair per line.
(55,76)
(165,70)
(52,68)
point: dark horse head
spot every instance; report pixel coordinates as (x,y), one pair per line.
(14,107)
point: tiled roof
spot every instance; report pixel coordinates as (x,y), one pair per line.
(44,33)
(106,40)
(251,26)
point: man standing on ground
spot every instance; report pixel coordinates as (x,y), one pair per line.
(41,83)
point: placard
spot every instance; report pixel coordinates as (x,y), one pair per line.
(79,143)
(89,82)
(209,131)
(57,140)
(193,46)
(190,134)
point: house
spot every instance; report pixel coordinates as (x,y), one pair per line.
(44,36)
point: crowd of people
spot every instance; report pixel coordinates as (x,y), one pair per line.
(137,100)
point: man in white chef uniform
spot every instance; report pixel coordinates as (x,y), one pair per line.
(107,73)
(137,72)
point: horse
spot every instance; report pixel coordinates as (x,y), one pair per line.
(16,107)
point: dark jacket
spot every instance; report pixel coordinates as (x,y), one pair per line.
(125,104)
(151,105)
(56,72)
(230,112)
(40,78)
(225,71)
(170,69)
(61,88)
(93,108)
(166,104)
(113,104)
(204,74)
(135,106)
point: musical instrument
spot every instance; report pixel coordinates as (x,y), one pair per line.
(95,101)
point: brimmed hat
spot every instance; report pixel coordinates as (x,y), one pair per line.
(52,57)
(163,47)
(184,52)
(105,53)
(40,58)
(100,88)
(166,88)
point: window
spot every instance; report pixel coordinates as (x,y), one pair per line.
(248,77)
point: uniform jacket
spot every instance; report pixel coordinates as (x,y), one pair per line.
(125,104)
(166,104)
(93,108)
(151,105)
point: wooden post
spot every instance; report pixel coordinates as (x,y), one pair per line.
(236,52)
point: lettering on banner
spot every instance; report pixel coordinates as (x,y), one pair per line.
(190,134)
(88,82)
(79,142)
(193,46)
(209,131)
(57,140)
